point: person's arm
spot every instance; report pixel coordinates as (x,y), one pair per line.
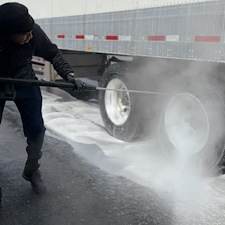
(44,48)
(50,52)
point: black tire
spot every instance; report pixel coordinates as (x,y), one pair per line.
(131,128)
(210,95)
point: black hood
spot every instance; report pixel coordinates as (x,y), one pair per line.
(15,19)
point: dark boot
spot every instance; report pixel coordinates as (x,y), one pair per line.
(31,173)
(34,145)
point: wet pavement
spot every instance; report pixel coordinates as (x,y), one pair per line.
(78,193)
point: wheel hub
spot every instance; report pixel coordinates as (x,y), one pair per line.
(186,123)
(117,103)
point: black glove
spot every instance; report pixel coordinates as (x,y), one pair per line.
(78,84)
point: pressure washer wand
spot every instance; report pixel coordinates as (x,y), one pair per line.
(131,91)
(35,82)
(69,85)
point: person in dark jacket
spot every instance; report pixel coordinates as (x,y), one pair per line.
(20,39)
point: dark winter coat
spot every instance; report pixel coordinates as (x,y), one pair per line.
(15,59)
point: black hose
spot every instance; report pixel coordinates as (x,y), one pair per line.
(43,83)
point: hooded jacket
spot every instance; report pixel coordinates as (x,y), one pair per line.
(15,59)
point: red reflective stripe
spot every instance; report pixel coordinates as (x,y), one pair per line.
(60,36)
(157,38)
(39,59)
(111,37)
(207,38)
(79,36)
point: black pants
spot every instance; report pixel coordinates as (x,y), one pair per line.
(29,103)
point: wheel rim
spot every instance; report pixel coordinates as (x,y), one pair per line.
(117,103)
(186,123)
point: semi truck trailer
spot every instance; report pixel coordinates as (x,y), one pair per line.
(171,53)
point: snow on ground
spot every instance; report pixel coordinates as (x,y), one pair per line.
(195,199)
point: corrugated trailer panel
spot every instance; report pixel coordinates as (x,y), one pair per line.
(193,31)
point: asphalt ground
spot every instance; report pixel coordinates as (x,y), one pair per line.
(78,192)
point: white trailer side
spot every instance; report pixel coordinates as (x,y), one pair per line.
(192,31)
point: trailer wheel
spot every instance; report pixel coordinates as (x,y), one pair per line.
(192,126)
(119,110)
